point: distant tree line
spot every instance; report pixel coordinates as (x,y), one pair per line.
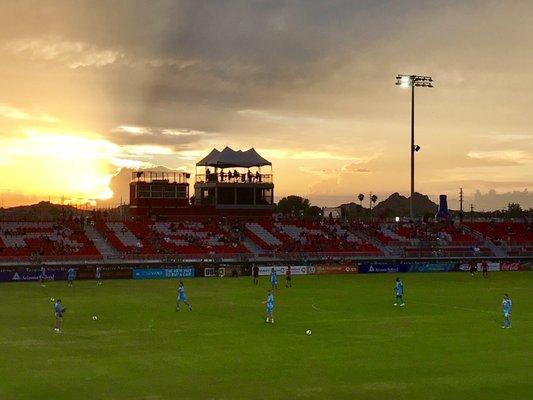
(298,206)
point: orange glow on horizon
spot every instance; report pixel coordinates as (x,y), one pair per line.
(55,164)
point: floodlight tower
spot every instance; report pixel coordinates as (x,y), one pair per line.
(413,81)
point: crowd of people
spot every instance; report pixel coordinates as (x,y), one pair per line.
(223,235)
(317,236)
(233,176)
(58,239)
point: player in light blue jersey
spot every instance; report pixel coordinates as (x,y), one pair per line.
(269,307)
(59,310)
(98,275)
(506,308)
(182,297)
(273,279)
(399,293)
(42,276)
(71,275)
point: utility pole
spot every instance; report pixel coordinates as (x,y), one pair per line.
(471,213)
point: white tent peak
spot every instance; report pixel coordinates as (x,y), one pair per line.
(228,158)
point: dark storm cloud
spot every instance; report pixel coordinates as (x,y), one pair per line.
(177,58)
(226,55)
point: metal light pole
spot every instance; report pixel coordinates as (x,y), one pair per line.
(412,81)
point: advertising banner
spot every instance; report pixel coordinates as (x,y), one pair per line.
(493,266)
(214,271)
(32,275)
(224,270)
(117,273)
(510,266)
(233,270)
(527,265)
(326,269)
(367,268)
(163,273)
(280,270)
(432,267)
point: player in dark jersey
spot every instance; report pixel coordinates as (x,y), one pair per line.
(485,268)
(255,274)
(288,277)
(473,267)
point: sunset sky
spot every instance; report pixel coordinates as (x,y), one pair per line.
(91,87)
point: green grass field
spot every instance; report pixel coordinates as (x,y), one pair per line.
(446,343)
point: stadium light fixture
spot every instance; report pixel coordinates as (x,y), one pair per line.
(405,81)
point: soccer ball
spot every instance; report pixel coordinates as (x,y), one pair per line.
(52,299)
(308,332)
(95,317)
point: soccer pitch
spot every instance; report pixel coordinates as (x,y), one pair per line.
(447,343)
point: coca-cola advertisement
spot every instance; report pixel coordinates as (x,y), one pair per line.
(510,266)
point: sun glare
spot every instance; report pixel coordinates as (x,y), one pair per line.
(51,164)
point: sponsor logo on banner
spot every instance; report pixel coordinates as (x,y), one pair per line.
(24,276)
(163,273)
(214,271)
(493,266)
(508,266)
(431,267)
(280,270)
(333,269)
(382,268)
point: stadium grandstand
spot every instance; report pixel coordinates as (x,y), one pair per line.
(231,218)
(266,237)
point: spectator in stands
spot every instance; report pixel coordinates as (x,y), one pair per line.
(249,175)
(257,177)
(236,175)
(221,175)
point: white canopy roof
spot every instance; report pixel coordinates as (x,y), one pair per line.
(230,158)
